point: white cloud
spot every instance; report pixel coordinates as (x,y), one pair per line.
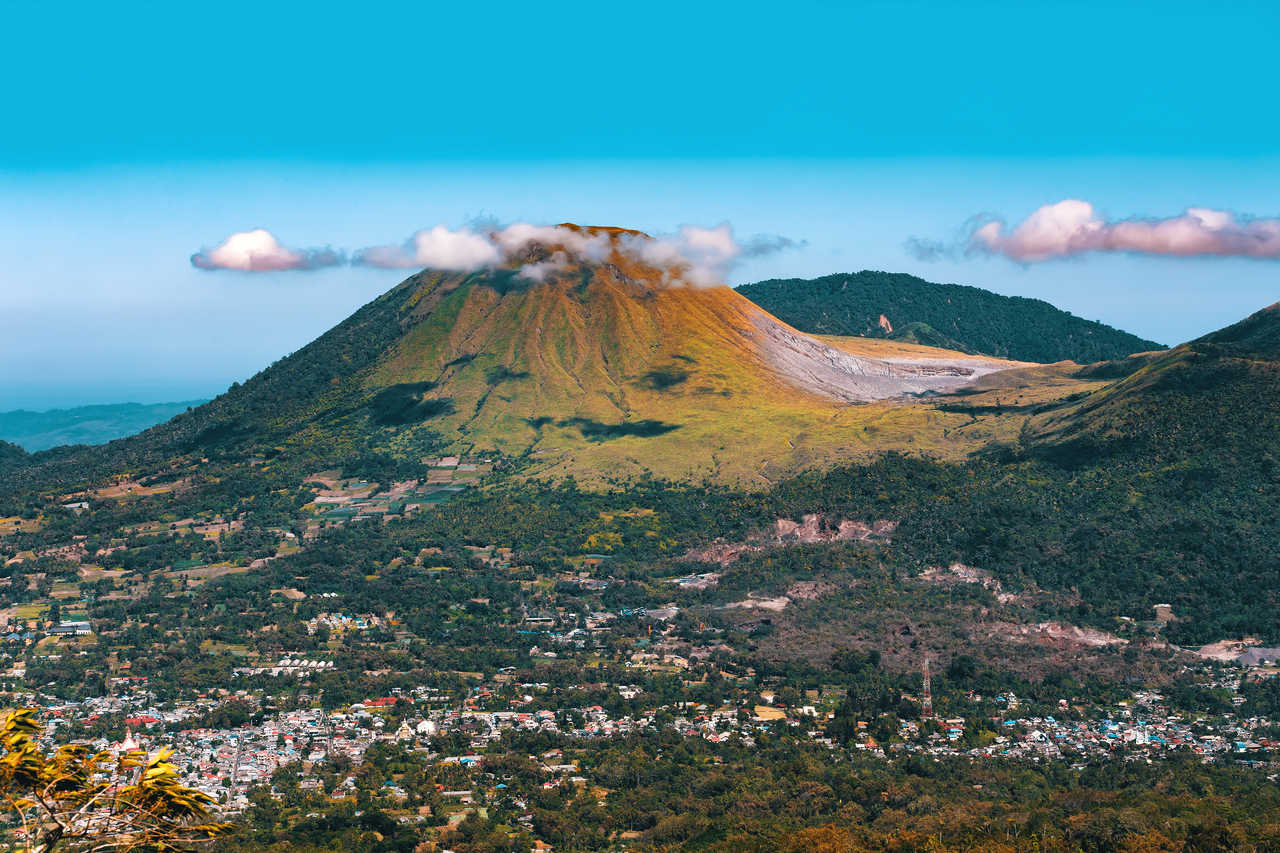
(541,270)
(1073,227)
(436,248)
(594,246)
(694,255)
(259,251)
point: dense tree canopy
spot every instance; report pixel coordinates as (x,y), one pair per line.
(951,316)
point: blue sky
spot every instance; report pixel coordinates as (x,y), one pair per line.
(138,134)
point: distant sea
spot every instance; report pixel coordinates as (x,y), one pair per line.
(34,431)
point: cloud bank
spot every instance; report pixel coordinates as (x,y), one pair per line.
(698,256)
(1073,227)
(259,251)
(694,255)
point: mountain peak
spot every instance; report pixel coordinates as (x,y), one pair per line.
(610,230)
(580,363)
(586,350)
(570,351)
(538,253)
(1256,336)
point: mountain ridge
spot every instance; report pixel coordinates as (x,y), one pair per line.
(92,424)
(1212,392)
(597,364)
(603,370)
(953,316)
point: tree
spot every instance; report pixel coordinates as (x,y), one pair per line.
(78,800)
(962,669)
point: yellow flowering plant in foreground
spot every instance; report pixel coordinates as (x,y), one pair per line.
(81,801)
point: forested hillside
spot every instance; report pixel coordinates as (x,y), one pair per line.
(11,455)
(953,316)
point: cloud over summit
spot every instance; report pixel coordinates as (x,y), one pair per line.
(437,248)
(693,255)
(696,256)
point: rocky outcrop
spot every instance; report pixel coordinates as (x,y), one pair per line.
(1058,634)
(816,527)
(812,528)
(822,369)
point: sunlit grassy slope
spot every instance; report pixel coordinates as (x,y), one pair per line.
(602,373)
(603,370)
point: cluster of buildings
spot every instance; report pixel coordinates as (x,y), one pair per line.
(227,762)
(1139,730)
(295,665)
(23,635)
(340,623)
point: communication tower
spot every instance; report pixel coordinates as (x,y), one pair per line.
(926,694)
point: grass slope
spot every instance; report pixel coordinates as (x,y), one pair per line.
(950,316)
(1211,398)
(600,372)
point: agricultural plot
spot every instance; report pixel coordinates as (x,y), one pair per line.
(12,524)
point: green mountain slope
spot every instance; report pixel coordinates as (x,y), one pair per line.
(952,316)
(256,417)
(601,368)
(1175,481)
(1256,336)
(84,424)
(1216,398)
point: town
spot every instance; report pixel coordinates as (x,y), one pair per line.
(352,642)
(455,734)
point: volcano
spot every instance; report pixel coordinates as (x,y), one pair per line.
(613,350)
(581,354)
(615,341)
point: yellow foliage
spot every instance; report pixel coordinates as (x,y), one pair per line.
(97,801)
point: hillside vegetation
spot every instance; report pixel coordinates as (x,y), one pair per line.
(950,316)
(1210,402)
(1143,480)
(601,370)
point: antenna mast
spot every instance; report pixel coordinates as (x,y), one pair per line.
(926,698)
